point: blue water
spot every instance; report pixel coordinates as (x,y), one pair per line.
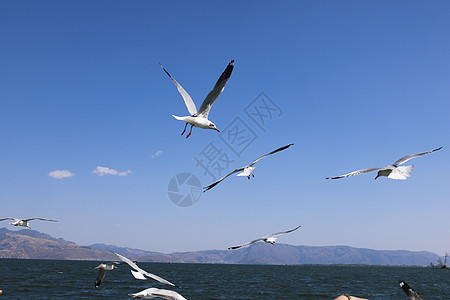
(48,279)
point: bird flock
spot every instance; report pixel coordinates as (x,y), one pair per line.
(199,118)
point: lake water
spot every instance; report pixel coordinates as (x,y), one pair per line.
(48,279)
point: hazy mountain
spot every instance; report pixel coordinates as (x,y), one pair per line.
(263,253)
(123,250)
(28,243)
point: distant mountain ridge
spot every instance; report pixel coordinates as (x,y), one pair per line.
(28,243)
(263,253)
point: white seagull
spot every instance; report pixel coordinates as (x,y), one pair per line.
(268,239)
(200,118)
(24,222)
(155,293)
(394,171)
(145,273)
(102,268)
(409,291)
(247,170)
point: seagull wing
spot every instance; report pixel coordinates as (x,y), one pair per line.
(157,278)
(143,272)
(137,275)
(408,157)
(278,233)
(218,181)
(273,152)
(143,293)
(167,294)
(246,244)
(42,219)
(187,99)
(9,219)
(128,261)
(100,276)
(218,88)
(409,291)
(356,173)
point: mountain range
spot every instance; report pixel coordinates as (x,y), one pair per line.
(32,244)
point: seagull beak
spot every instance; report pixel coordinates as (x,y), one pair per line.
(217,129)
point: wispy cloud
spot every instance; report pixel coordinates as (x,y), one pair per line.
(100,171)
(158,153)
(60,174)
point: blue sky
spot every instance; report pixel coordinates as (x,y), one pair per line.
(359,83)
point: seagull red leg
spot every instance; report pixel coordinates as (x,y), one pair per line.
(190,132)
(253,175)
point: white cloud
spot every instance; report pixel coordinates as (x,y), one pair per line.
(100,171)
(158,153)
(60,174)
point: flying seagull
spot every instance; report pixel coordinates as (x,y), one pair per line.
(145,273)
(24,222)
(102,268)
(394,171)
(268,239)
(409,291)
(200,118)
(155,293)
(247,170)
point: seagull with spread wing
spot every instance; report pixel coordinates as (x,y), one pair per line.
(24,222)
(268,239)
(409,291)
(143,272)
(247,170)
(200,118)
(394,171)
(155,293)
(102,268)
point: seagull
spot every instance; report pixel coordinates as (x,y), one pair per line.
(102,268)
(155,293)
(145,273)
(268,239)
(200,118)
(409,291)
(247,170)
(394,171)
(24,222)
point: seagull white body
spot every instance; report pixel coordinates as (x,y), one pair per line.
(409,291)
(144,273)
(268,239)
(102,268)
(197,122)
(200,118)
(155,293)
(393,171)
(24,222)
(247,170)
